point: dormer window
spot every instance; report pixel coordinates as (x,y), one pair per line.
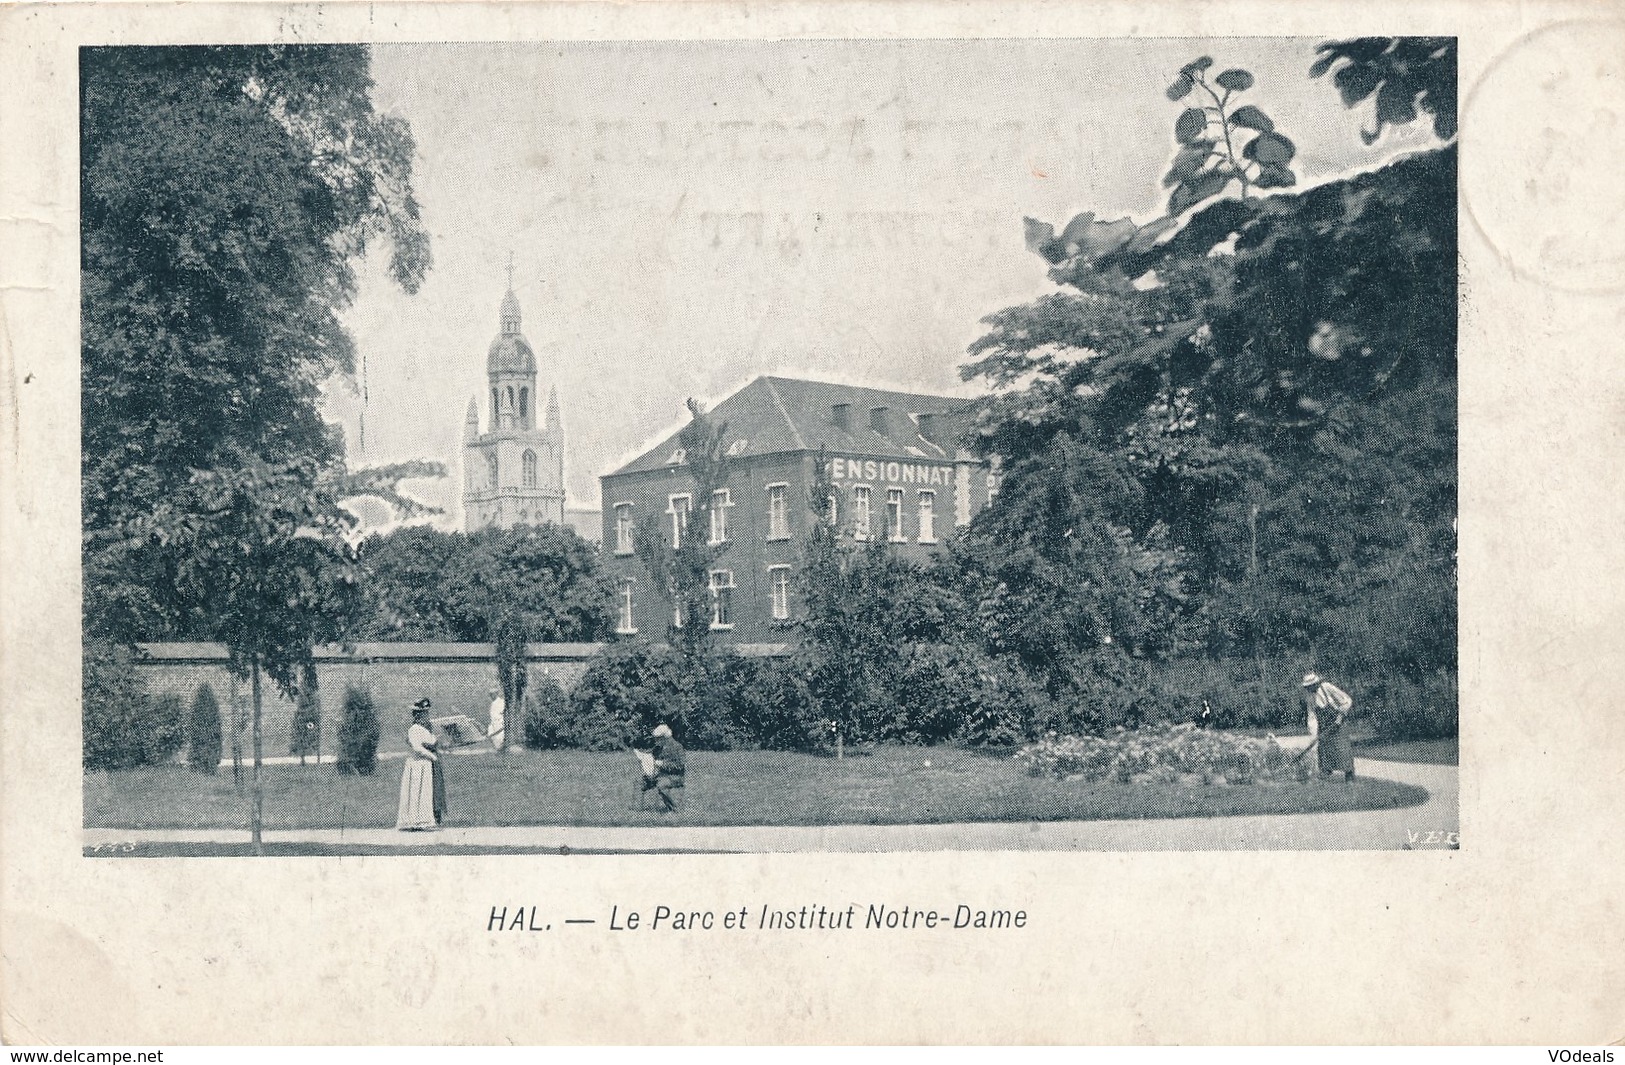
(678,457)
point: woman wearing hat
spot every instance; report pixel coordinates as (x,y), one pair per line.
(423,785)
(1327,707)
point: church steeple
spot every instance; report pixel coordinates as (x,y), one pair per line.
(510,314)
(554,421)
(513,473)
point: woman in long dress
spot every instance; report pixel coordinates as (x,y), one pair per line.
(422,787)
(1328,707)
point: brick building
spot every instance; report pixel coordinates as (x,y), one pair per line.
(896,471)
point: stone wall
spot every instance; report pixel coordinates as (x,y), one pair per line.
(456,676)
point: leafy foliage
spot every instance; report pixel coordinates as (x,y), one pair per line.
(359,732)
(203,735)
(260,564)
(1407,75)
(1218,145)
(1234,438)
(729,702)
(424,584)
(546,722)
(123,725)
(383,483)
(680,565)
(112,704)
(225,194)
(864,608)
(625,694)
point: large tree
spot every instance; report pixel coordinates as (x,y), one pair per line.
(680,564)
(226,194)
(424,584)
(1276,378)
(260,563)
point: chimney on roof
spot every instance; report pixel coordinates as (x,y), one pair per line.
(841,415)
(928,427)
(877,420)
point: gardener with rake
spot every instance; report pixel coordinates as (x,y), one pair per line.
(1327,707)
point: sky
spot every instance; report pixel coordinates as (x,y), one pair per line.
(685,216)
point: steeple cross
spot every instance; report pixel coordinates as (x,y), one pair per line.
(510,270)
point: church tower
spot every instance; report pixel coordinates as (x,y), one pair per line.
(513,473)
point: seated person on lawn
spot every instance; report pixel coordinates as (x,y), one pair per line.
(663,766)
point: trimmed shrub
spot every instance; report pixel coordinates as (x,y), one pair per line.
(625,694)
(358,733)
(122,727)
(1232,689)
(545,724)
(1008,703)
(936,690)
(953,692)
(163,733)
(767,705)
(205,740)
(721,701)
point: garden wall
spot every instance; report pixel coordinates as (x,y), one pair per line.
(456,676)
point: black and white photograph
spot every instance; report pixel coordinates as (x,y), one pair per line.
(773,446)
(679,524)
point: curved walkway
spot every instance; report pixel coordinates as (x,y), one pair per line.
(1430,826)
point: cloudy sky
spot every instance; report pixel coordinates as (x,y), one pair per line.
(684,216)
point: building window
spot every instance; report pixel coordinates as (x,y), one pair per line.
(778,516)
(491,462)
(779,579)
(894,514)
(524,408)
(623,528)
(528,468)
(860,512)
(720,502)
(677,508)
(832,512)
(722,588)
(624,624)
(928,517)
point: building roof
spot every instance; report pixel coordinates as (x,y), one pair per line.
(510,352)
(774,415)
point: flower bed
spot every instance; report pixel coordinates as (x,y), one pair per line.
(1163,754)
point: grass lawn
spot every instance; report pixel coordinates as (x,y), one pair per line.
(881,786)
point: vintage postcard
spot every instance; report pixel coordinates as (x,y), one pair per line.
(889,494)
